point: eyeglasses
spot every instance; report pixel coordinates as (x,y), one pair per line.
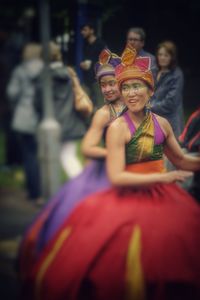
(136,87)
(134,40)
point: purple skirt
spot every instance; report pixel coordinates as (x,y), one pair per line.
(92,179)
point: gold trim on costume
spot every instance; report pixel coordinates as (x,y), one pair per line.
(135,287)
(48,260)
(146,141)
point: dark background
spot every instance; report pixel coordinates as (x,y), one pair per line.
(177,20)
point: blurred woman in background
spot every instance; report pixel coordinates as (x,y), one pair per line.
(167,100)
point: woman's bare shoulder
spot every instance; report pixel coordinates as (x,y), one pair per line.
(119,128)
(118,123)
(104,110)
(102,114)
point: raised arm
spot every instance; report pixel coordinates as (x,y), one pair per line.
(91,144)
(116,138)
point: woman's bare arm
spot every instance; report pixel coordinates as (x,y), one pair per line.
(91,147)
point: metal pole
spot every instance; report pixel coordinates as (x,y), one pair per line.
(49,129)
(80,19)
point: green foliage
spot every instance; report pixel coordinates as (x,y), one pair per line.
(12,177)
(9,177)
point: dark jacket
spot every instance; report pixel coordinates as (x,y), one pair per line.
(72,124)
(167,100)
(91,52)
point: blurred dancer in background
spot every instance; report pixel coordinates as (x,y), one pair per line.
(93,178)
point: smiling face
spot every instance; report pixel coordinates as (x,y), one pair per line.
(164,58)
(109,88)
(136,94)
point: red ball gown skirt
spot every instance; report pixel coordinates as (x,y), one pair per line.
(123,243)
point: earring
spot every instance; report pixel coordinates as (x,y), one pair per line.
(147,107)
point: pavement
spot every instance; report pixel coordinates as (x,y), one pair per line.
(16,213)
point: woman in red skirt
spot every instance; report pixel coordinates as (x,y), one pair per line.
(139,239)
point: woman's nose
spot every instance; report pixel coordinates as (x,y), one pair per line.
(132,91)
(107,88)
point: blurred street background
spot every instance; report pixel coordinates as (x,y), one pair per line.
(20,22)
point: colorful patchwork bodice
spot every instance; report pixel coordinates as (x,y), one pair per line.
(147,140)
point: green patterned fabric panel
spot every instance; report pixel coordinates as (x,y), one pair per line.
(131,157)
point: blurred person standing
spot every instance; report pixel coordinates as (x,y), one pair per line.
(72,124)
(21,91)
(92,47)
(136,38)
(167,100)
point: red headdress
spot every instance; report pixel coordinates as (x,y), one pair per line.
(134,67)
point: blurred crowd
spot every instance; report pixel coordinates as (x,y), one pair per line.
(25,108)
(131,163)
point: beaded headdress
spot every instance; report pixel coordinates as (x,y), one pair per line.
(106,64)
(133,66)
